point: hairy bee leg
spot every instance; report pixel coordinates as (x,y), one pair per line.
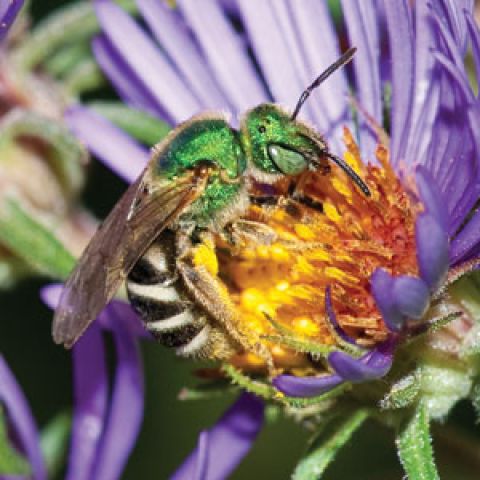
(212,295)
(241,231)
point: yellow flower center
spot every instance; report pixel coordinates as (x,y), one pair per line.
(278,285)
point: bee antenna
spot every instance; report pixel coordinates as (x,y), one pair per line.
(343,60)
(350,172)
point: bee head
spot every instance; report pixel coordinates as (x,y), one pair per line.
(277,144)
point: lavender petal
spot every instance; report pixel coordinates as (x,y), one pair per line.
(91,399)
(173,36)
(119,435)
(467,241)
(201,461)
(400,30)
(21,419)
(432,250)
(375,364)
(8,13)
(333,318)
(411,296)
(431,196)
(306,386)
(228,441)
(116,149)
(382,290)
(270,51)
(362,27)
(156,73)
(226,54)
(330,111)
(127,84)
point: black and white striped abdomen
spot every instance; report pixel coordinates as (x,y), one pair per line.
(157,293)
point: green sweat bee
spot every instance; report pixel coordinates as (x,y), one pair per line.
(196,182)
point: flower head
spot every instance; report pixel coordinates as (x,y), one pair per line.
(345,281)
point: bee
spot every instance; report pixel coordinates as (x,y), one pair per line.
(197,181)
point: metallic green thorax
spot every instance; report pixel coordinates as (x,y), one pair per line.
(205,139)
(269,140)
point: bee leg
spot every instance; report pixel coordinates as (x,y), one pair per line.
(213,296)
(241,232)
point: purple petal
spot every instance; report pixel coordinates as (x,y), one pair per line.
(431,196)
(422,101)
(8,12)
(21,420)
(116,149)
(50,295)
(120,432)
(272,53)
(306,386)
(228,441)
(375,364)
(146,60)
(226,54)
(474,35)
(400,31)
(466,241)
(174,37)
(411,296)
(91,399)
(382,290)
(123,78)
(333,318)
(432,250)
(330,111)
(362,25)
(201,460)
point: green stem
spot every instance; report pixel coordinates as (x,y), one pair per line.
(328,443)
(68,24)
(414,445)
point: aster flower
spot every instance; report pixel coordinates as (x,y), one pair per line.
(379,272)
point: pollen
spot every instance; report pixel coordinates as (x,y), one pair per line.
(278,286)
(205,256)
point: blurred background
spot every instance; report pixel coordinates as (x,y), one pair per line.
(171,426)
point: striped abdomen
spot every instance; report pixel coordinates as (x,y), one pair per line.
(159,296)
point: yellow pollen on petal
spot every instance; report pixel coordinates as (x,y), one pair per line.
(337,274)
(304,232)
(341,187)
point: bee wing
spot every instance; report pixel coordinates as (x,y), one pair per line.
(136,220)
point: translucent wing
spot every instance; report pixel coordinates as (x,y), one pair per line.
(141,214)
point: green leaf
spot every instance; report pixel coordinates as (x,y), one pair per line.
(327,444)
(32,242)
(138,124)
(11,462)
(206,391)
(54,442)
(414,446)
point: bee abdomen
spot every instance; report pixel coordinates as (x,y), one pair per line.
(158,296)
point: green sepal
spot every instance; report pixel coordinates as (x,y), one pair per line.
(402,394)
(206,391)
(137,123)
(11,462)
(414,446)
(54,442)
(327,444)
(85,77)
(33,242)
(471,343)
(67,58)
(268,392)
(466,290)
(66,156)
